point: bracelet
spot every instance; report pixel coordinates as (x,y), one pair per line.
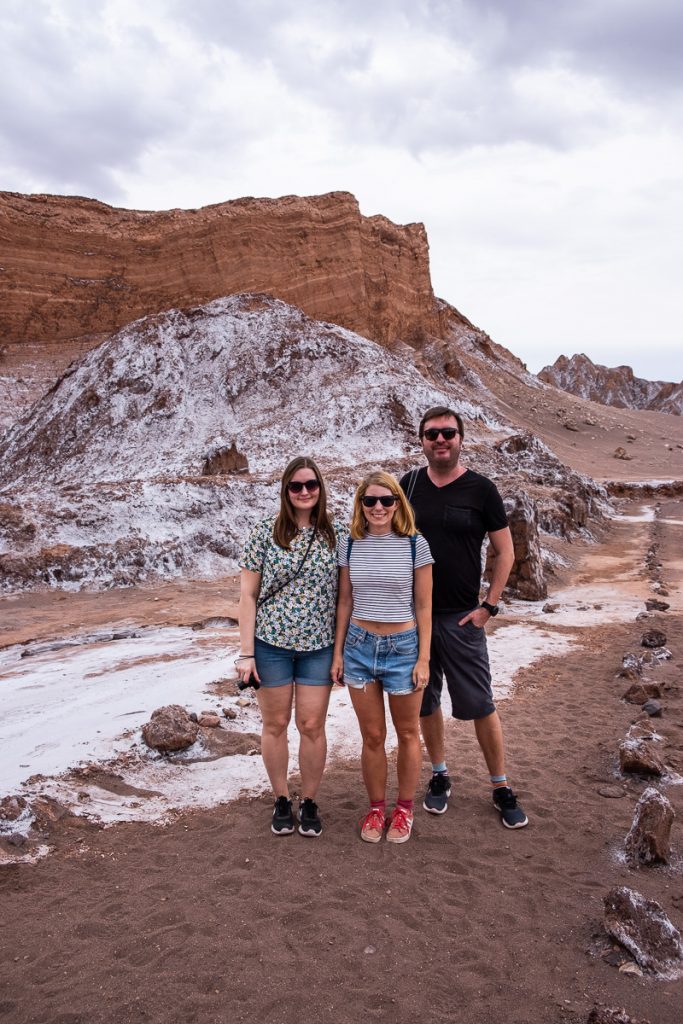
(244,657)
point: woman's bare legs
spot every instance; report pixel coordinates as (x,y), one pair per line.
(405,714)
(368,703)
(275,703)
(311,704)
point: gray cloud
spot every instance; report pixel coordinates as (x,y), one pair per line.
(630,46)
(83,104)
(79,105)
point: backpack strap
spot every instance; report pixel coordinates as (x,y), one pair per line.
(349,545)
(411,483)
(413,547)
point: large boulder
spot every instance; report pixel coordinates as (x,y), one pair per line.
(642,927)
(170,728)
(648,840)
(526,580)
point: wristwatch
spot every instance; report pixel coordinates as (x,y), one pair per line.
(492,609)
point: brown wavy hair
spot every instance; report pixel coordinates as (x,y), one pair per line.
(403,522)
(285,528)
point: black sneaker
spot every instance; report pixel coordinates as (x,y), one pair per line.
(283,819)
(309,819)
(506,802)
(438,792)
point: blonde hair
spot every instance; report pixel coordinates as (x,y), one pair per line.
(403,521)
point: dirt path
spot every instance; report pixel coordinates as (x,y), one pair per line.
(213,919)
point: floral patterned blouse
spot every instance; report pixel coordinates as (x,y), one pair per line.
(301,616)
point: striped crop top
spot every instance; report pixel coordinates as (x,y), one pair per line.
(381,571)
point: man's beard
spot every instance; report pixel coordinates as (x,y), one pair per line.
(441,463)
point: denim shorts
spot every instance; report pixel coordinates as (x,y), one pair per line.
(279,666)
(388,659)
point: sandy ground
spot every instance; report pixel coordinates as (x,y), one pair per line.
(211,918)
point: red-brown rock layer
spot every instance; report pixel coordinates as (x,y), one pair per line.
(73,267)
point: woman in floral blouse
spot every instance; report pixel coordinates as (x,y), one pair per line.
(287,616)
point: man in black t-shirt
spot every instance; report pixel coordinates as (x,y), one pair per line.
(455,509)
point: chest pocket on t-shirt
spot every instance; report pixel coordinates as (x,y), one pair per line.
(458,520)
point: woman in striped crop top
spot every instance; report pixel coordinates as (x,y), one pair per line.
(383,633)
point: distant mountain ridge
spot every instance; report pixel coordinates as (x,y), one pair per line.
(616,386)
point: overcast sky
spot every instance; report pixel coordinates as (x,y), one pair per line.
(539,142)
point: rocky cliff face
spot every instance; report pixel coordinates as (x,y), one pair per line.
(615,386)
(75,268)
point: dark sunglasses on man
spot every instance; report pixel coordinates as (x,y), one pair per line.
(448,433)
(297,486)
(385,500)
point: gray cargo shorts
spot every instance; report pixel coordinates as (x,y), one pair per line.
(460,654)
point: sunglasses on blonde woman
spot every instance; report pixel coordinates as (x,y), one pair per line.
(297,486)
(385,500)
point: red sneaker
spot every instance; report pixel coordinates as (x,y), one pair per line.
(400,825)
(372,825)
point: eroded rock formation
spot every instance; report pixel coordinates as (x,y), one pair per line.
(527,579)
(616,385)
(75,268)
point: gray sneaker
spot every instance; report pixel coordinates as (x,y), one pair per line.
(511,813)
(438,792)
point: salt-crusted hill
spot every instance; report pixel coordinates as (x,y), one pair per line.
(156,451)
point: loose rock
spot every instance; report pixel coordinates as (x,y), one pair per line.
(653,657)
(648,841)
(230,713)
(630,663)
(170,728)
(642,927)
(653,604)
(12,807)
(612,792)
(653,708)
(637,755)
(638,693)
(209,720)
(653,638)
(549,608)
(611,1015)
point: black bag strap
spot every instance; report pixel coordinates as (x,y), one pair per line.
(411,483)
(262,600)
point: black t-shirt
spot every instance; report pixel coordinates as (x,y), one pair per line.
(455,519)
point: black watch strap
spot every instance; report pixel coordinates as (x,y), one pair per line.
(492,609)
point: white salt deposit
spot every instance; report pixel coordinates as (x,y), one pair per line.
(86,704)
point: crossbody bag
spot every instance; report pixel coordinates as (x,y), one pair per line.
(281,586)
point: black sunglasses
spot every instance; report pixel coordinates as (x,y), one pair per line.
(385,500)
(297,486)
(448,433)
